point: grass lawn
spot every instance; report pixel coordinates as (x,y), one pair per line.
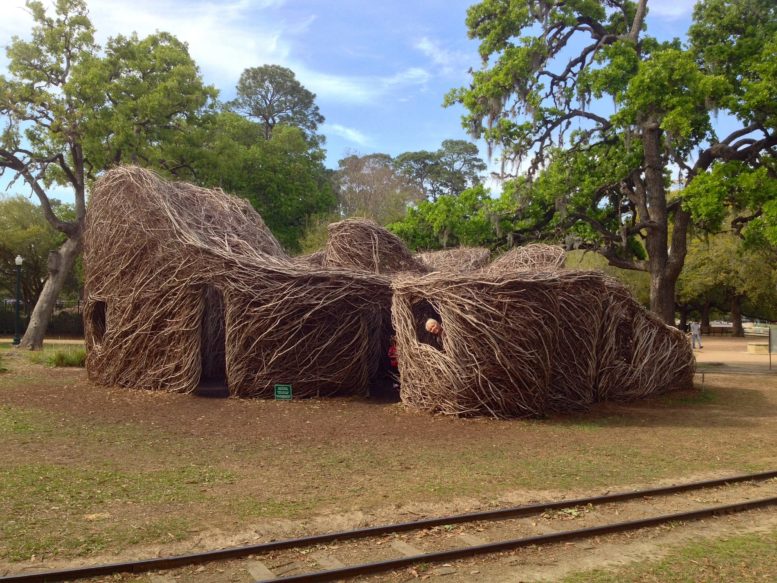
(91,471)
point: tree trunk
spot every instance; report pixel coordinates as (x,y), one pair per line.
(664,264)
(662,296)
(736,317)
(705,318)
(60,264)
(684,309)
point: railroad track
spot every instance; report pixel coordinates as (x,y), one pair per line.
(388,551)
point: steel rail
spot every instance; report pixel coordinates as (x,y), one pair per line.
(543,539)
(242,551)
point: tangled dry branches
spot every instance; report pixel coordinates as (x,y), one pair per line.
(534,257)
(457,260)
(186,285)
(363,245)
(530,343)
(173,272)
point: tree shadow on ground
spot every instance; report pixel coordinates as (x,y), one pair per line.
(713,406)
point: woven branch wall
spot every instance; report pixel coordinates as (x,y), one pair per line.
(169,267)
(531,343)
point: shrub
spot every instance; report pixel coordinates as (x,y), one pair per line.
(69,357)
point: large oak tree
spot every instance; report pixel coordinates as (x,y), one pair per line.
(578,91)
(68,111)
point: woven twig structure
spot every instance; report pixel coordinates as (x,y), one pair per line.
(456,260)
(530,343)
(534,257)
(363,245)
(185,284)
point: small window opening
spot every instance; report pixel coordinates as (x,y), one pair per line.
(98,321)
(423,311)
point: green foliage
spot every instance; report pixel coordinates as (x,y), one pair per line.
(272,95)
(370,186)
(721,267)
(153,95)
(284,177)
(471,219)
(72,358)
(638,282)
(24,231)
(450,170)
(603,178)
(316,232)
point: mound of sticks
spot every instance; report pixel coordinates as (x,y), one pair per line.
(530,343)
(456,260)
(363,245)
(185,284)
(534,257)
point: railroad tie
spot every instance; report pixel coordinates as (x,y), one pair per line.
(472,540)
(405,548)
(259,571)
(326,561)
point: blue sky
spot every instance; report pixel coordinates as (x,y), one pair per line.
(380,70)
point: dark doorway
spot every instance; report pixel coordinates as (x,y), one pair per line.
(98,321)
(213,336)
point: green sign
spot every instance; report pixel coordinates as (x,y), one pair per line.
(283,392)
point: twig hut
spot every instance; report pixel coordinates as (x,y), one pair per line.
(529,343)
(185,285)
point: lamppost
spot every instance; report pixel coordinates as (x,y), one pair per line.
(17,339)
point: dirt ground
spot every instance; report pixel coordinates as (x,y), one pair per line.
(303,467)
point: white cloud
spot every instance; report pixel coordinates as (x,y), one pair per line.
(671,9)
(350,134)
(358,89)
(448,61)
(225,38)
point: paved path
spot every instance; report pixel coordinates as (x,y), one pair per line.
(730,355)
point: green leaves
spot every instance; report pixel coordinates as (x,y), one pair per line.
(272,95)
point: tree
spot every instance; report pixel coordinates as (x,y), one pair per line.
(68,112)
(450,170)
(370,187)
(551,68)
(723,271)
(272,95)
(283,178)
(471,218)
(24,231)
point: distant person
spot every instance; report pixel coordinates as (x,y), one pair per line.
(696,334)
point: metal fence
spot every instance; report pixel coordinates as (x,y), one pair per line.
(67,319)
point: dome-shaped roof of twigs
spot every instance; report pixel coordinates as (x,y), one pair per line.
(363,245)
(456,260)
(534,257)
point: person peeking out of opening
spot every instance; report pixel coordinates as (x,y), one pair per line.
(434,327)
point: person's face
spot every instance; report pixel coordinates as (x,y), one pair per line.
(433,328)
